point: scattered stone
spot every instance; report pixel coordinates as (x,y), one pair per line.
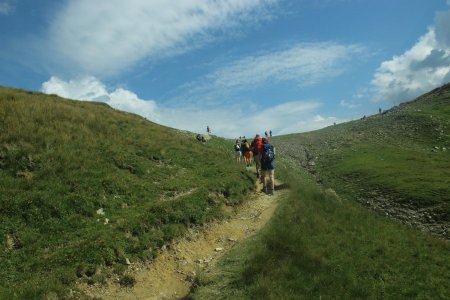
(9,242)
(100,211)
(127,261)
(12,242)
(218,249)
(106,221)
(190,278)
(25,174)
(232,239)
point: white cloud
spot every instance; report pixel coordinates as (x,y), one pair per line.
(6,7)
(238,120)
(347,104)
(108,36)
(301,64)
(423,67)
(91,89)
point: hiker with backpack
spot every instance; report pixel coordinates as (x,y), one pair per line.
(268,166)
(257,147)
(245,148)
(237,151)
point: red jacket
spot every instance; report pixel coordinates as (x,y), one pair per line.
(257,145)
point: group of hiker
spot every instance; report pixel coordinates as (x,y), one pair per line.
(263,154)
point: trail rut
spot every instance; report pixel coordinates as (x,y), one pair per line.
(171,274)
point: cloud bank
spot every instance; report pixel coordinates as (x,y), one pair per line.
(91,89)
(238,120)
(423,67)
(301,65)
(110,36)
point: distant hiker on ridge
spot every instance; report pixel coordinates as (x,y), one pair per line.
(208,130)
(270,132)
(265,133)
(268,166)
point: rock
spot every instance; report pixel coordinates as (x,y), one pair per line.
(106,221)
(9,242)
(25,174)
(100,212)
(218,249)
(12,242)
(232,239)
(127,261)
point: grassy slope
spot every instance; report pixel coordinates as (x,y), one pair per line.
(322,246)
(319,246)
(401,156)
(62,160)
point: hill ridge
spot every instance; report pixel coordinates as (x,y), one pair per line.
(395,162)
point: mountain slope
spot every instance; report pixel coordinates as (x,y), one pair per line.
(397,162)
(84,186)
(323,244)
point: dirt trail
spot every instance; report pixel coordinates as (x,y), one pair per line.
(171,274)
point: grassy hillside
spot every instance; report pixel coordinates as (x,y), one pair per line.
(397,162)
(84,188)
(322,246)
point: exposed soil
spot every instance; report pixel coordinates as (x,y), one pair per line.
(172,274)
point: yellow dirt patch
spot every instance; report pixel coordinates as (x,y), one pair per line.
(171,274)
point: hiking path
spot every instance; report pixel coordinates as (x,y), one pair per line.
(172,273)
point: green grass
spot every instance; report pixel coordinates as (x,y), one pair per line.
(321,247)
(403,154)
(417,177)
(62,160)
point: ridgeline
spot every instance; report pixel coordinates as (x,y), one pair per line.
(86,190)
(396,162)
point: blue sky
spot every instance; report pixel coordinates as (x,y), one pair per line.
(239,66)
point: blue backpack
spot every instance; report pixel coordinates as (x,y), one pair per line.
(268,153)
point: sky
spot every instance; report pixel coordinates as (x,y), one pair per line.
(240,66)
